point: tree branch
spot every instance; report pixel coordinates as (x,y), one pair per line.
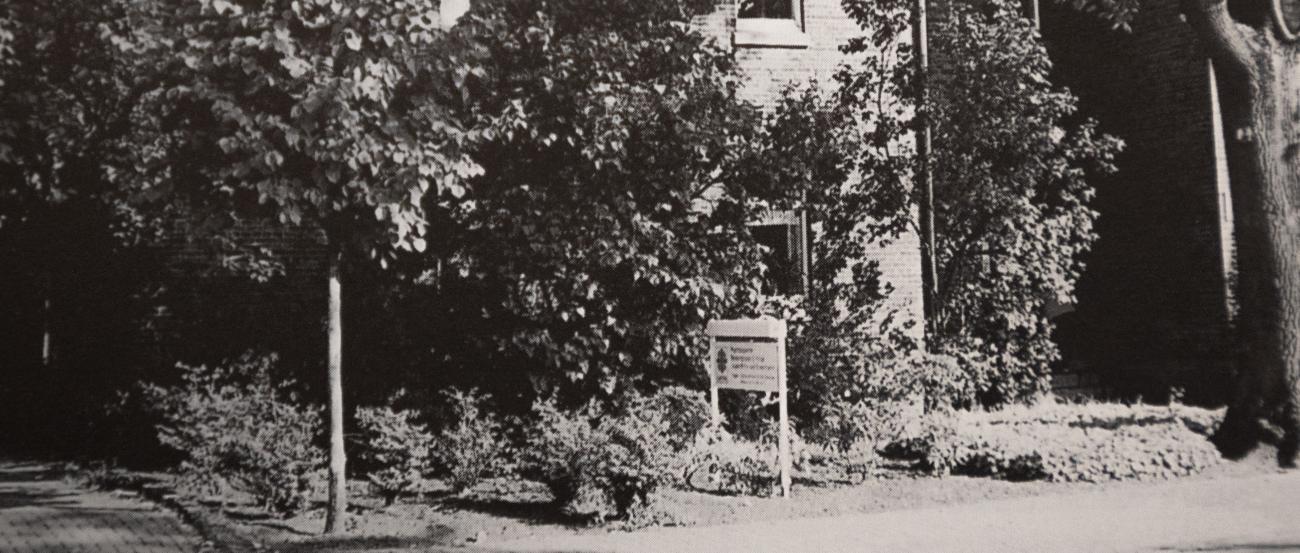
(1229,42)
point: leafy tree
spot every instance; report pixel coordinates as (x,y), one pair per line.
(1009,169)
(610,221)
(68,111)
(68,102)
(323,114)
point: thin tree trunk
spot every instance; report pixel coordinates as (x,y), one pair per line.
(338,493)
(47,314)
(1266,212)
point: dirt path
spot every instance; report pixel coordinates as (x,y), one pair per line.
(42,513)
(1251,513)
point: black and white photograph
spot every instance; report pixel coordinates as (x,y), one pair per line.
(649,276)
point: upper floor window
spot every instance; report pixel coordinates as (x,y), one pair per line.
(770,23)
(766,9)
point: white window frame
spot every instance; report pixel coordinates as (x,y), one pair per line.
(771,32)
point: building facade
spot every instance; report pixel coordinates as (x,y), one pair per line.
(779,42)
(1155,302)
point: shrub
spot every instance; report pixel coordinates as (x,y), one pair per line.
(857,428)
(1012,229)
(472,445)
(889,403)
(396,446)
(235,426)
(719,461)
(682,412)
(560,447)
(1069,443)
(613,459)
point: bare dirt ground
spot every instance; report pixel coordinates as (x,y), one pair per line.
(1246,507)
(514,515)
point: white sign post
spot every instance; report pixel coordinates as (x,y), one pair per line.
(749,354)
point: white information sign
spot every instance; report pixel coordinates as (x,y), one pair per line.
(749,354)
(746,365)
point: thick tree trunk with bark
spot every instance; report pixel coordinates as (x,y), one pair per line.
(1266,209)
(336,512)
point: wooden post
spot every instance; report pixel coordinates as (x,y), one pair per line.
(784,446)
(714,412)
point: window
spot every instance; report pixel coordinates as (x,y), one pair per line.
(766,9)
(770,23)
(785,234)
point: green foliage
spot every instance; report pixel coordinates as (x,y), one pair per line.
(680,412)
(561,447)
(397,447)
(324,114)
(236,426)
(608,463)
(1073,443)
(610,221)
(472,445)
(1009,166)
(840,335)
(69,99)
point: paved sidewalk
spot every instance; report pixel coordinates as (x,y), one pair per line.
(42,513)
(1249,514)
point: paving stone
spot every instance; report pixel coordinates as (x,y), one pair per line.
(40,513)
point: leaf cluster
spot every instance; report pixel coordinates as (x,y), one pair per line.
(322,113)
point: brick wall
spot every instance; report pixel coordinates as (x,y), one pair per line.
(768,69)
(212,313)
(1152,303)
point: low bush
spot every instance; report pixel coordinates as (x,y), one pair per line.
(235,426)
(679,412)
(720,461)
(1085,442)
(396,447)
(606,463)
(899,399)
(472,445)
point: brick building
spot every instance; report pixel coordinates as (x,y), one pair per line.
(778,42)
(1155,302)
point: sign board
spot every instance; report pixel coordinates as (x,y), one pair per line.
(749,354)
(745,365)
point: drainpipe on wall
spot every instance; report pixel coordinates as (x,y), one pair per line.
(1223,189)
(920,43)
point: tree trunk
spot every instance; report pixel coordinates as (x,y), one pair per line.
(338,494)
(47,316)
(1266,210)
